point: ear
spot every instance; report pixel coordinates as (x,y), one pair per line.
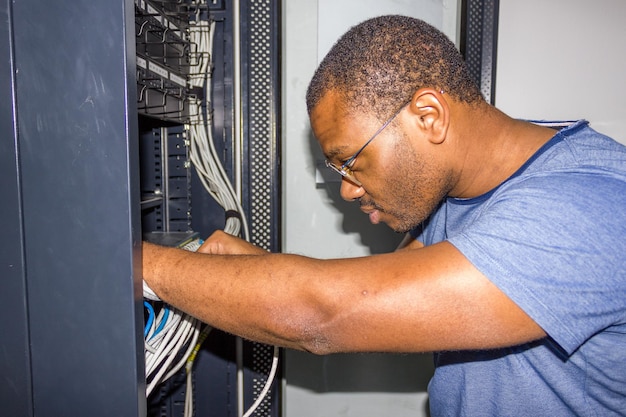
(432,113)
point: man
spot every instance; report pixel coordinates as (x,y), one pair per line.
(515,268)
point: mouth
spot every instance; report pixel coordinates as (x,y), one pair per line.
(373,213)
(368,205)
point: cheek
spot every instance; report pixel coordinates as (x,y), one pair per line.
(405,181)
(417,189)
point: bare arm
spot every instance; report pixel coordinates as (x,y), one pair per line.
(406,301)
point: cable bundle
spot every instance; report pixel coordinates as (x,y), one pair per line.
(202,150)
(211,173)
(166,334)
(201,35)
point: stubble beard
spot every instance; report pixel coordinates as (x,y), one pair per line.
(412,207)
(413,194)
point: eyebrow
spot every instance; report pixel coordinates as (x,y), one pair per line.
(333,153)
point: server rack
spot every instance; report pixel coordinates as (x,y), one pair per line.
(88,129)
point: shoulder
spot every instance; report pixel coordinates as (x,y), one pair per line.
(580,146)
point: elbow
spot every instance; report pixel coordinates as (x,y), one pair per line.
(314,323)
(314,335)
(304,329)
(317,345)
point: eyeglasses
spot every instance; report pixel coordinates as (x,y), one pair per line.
(346,169)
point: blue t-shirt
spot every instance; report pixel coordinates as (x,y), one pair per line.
(553,239)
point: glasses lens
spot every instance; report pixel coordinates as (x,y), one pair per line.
(334,167)
(344,171)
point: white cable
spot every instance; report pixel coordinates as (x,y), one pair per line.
(212,175)
(185,357)
(148,293)
(169,354)
(161,344)
(268,384)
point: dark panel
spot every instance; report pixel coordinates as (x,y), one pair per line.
(260,63)
(76,141)
(479,41)
(15,392)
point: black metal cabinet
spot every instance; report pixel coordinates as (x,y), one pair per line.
(72,120)
(70,269)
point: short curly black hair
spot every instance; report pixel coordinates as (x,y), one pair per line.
(379,64)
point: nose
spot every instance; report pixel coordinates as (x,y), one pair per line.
(350,191)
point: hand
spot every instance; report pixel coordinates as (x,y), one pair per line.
(221,243)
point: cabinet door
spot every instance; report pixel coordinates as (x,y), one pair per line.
(73,204)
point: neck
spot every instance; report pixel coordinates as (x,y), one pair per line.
(490,147)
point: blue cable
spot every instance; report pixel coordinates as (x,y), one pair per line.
(150,319)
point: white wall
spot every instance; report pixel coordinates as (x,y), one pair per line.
(318,223)
(564,59)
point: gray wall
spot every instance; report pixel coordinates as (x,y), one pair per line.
(318,223)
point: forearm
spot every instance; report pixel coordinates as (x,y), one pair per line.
(249,295)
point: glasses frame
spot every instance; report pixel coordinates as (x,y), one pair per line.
(346,168)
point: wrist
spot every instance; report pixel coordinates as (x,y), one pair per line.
(149,263)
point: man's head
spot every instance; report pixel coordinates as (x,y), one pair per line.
(381,62)
(399,69)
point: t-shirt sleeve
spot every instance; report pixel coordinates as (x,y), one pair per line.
(555,246)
